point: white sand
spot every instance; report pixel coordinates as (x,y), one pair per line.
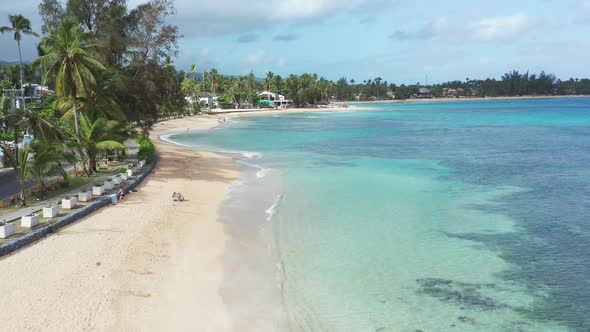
(148,264)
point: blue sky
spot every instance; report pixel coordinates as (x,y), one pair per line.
(402,41)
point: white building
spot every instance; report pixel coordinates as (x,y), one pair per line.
(278,99)
(33,93)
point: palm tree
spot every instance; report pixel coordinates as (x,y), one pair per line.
(99,102)
(213,79)
(205,75)
(98,136)
(68,55)
(251,87)
(269,77)
(189,87)
(20,161)
(44,164)
(20,25)
(31,119)
(277,84)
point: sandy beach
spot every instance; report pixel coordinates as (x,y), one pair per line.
(147,264)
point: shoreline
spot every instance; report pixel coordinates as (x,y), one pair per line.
(252,278)
(127,266)
(144,264)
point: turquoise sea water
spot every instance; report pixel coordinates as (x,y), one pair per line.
(454,216)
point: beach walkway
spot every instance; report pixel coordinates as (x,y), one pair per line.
(148,264)
(39,205)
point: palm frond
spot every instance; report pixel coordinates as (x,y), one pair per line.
(110,145)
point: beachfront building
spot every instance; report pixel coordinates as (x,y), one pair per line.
(278,100)
(424,93)
(34,92)
(208,99)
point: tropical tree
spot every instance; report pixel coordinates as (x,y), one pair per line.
(190,88)
(69,56)
(269,80)
(20,161)
(45,163)
(187,87)
(101,101)
(214,80)
(99,135)
(20,26)
(277,83)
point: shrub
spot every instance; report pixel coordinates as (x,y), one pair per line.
(66,178)
(146,149)
(64,183)
(122,170)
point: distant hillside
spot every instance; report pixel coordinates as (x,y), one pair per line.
(3,63)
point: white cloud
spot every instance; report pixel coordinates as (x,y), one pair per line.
(432,29)
(504,28)
(491,29)
(255,58)
(582,8)
(231,16)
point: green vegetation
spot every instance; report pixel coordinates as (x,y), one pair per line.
(110,68)
(22,165)
(147,150)
(308,90)
(67,56)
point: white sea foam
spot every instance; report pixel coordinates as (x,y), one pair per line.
(251,155)
(166,138)
(262,172)
(272,210)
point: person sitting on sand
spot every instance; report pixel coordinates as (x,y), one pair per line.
(175,196)
(180,197)
(121,193)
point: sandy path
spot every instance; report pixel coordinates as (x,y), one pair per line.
(145,265)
